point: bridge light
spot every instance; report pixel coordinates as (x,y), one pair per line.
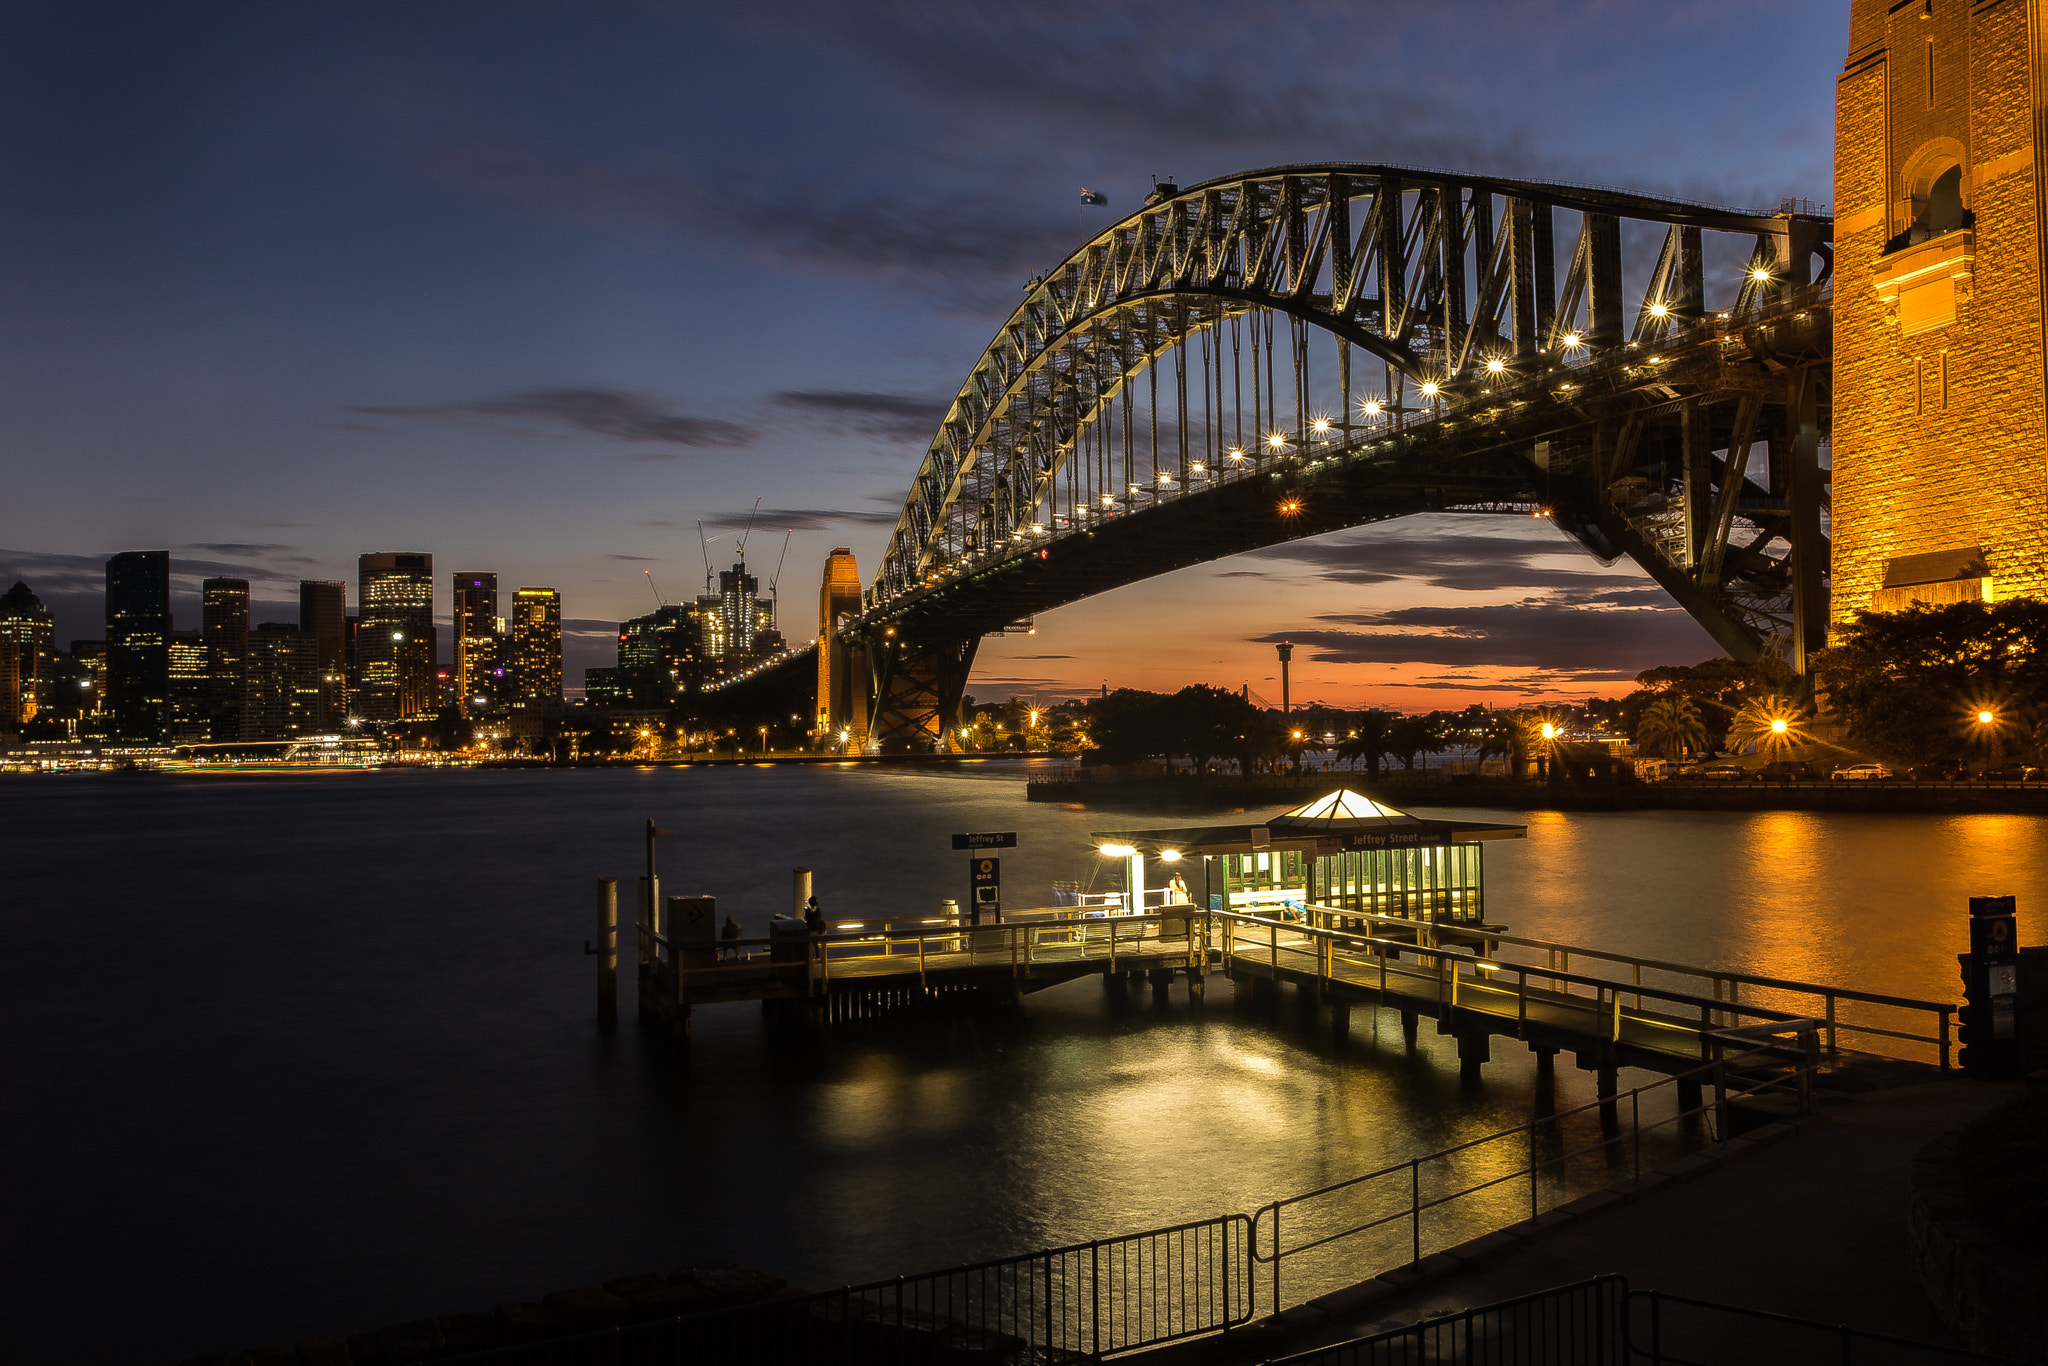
(1321,426)
(1290,507)
(1549,731)
(1372,407)
(1430,388)
(1659,311)
(1573,341)
(1779,725)
(1760,274)
(1236,454)
(1496,366)
(1275,440)
(1985,718)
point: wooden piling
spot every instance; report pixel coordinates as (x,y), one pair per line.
(607,953)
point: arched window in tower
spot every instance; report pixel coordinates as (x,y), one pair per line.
(1941,211)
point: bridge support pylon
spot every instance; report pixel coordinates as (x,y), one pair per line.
(913,689)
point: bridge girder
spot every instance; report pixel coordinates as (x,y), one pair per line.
(1457,296)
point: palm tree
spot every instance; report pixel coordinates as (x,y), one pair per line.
(1672,726)
(1370,739)
(1771,723)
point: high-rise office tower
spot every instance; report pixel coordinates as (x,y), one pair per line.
(224,624)
(658,657)
(323,618)
(537,645)
(738,626)
(475,639)
(28,638)
(195,713)
(282,701)
(139,644)
(396,656)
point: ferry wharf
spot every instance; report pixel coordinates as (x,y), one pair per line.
(1346,903)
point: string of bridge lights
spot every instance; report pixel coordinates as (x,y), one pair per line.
(1439,393)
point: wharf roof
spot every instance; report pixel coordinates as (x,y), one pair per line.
(1333,823)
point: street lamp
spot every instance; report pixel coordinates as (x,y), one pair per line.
(764,739)
(1549,731)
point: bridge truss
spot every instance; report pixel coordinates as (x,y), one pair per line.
(1289,352)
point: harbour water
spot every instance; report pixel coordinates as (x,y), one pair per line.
(293,1056)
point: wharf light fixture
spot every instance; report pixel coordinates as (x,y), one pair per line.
(1117,851)
(1985,718)
(1170,855)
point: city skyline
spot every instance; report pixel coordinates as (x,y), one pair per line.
(515,301)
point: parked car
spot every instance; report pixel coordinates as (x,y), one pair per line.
(1723,773)
(1861,773)
(1940,771)
(2013,773)
(1785,771)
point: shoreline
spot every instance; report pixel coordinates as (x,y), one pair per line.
(1885,797)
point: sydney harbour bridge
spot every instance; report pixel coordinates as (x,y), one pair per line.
(1294,351)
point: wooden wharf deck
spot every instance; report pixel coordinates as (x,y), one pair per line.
(1476,981)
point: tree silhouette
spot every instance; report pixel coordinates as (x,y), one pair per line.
(1671,726)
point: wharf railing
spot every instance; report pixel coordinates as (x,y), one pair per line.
(1472,972)
(1477,979)
(1775,1061)
(1603,1322)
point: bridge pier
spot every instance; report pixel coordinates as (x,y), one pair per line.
(1198,983)
(1409,1022)
(1475,1050)
(1162,983)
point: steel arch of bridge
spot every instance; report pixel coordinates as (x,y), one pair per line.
(1451,283)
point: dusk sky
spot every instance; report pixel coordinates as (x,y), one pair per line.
(536,287)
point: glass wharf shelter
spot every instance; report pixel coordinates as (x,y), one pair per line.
(1329,862)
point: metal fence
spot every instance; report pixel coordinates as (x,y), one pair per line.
(1398,1201)
(1062,1304)
(1602,1322)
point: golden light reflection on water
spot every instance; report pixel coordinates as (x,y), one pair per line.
(1875,902)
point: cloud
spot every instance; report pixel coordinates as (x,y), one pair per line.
(637,559)
(616,414)
(1473,561)
(801,519)
(895,417)
(1021,657)
(1616,634)
(589,626)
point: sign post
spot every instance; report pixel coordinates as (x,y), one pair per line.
(985,874)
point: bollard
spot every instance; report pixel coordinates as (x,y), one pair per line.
(607,952)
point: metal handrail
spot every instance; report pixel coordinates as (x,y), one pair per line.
(1827,994)
(1719,1107)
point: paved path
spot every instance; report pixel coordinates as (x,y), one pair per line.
(1812,1226)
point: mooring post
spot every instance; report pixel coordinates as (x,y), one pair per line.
(607,952)
(1409,1021)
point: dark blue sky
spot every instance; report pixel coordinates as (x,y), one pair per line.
(536,287)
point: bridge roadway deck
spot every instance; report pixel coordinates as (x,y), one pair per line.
(1453,974)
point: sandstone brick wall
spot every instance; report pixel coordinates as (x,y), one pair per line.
(1940,439)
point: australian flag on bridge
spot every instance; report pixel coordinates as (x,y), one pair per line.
(1089,196)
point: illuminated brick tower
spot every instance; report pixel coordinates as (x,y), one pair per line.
(1940,447)
(840,705)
